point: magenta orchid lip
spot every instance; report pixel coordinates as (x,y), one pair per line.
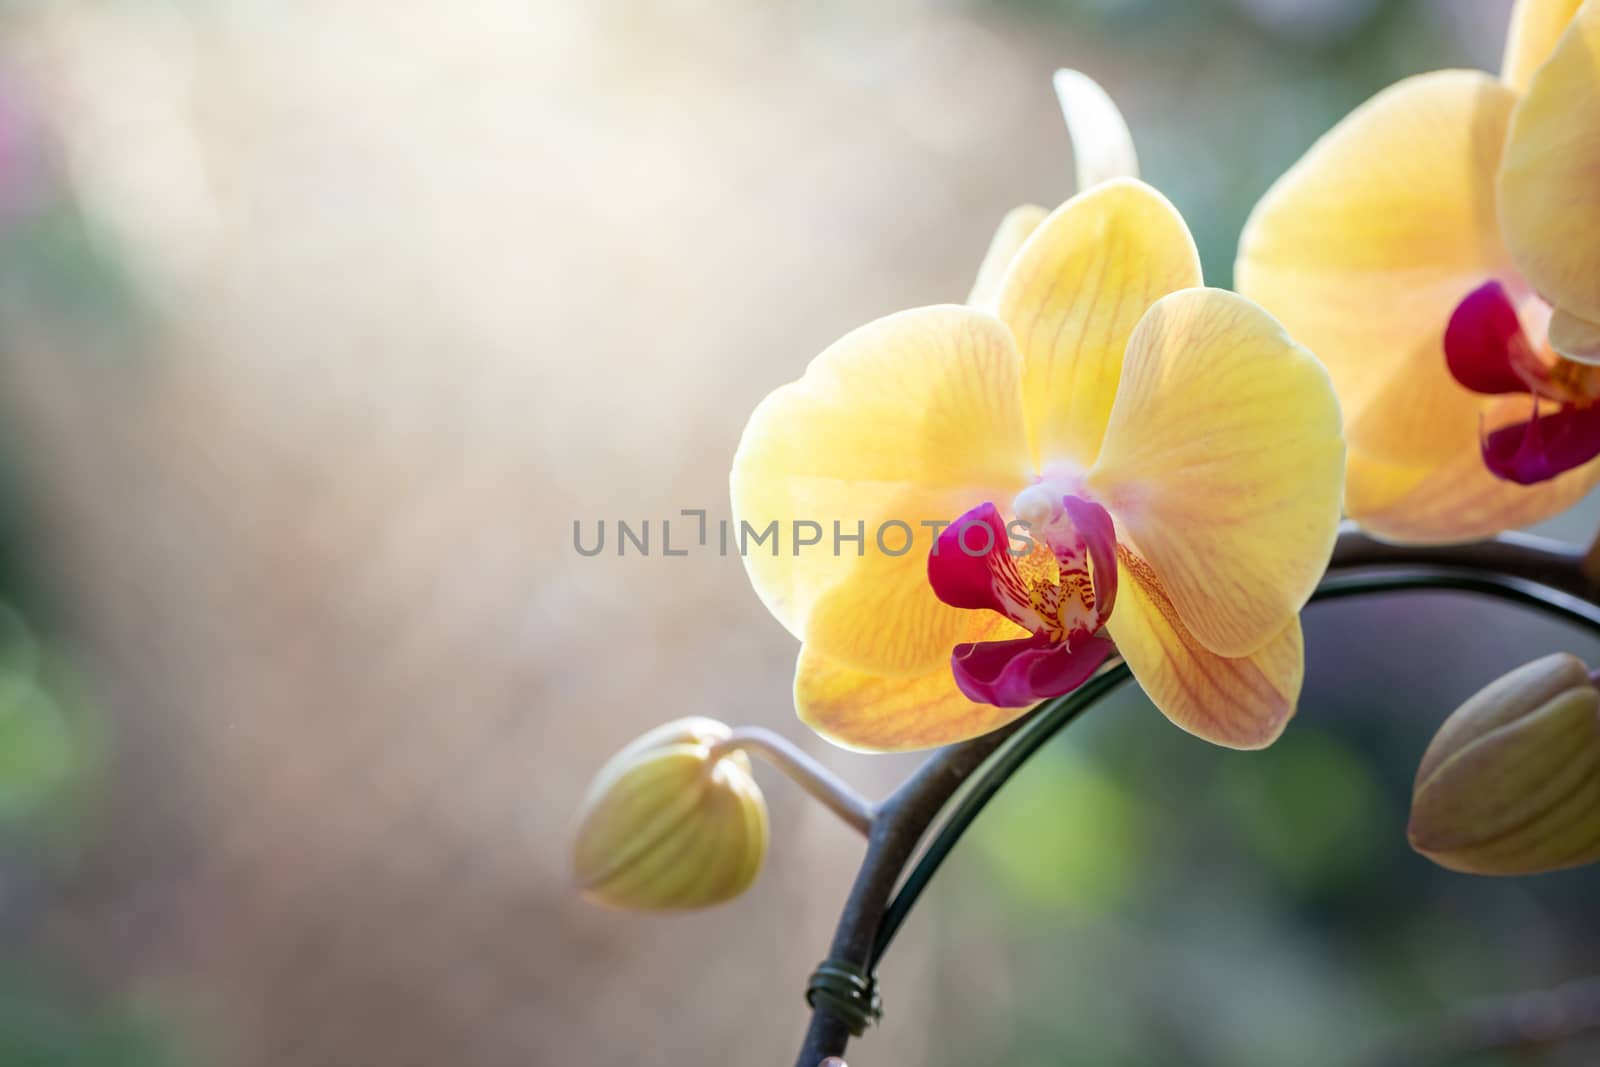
(1489,352)
(1063,607)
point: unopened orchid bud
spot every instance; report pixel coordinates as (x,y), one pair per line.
(1102,147)
(672,821)
(1511,783)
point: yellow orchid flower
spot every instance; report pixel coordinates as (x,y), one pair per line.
(1439,250)
(1106,449)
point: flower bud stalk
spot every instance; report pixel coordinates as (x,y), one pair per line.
(824,786)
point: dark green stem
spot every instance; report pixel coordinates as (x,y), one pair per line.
(897,826)
(1051,718)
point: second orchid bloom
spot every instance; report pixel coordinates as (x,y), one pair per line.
(1177,460)
(1440,251)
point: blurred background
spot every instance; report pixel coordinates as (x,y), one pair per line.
(320,323)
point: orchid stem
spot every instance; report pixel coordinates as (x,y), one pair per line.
(1590,564)
(832,791)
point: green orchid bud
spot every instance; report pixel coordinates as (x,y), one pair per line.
(672,821)
(1511,783)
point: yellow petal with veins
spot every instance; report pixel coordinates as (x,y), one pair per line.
(872,713)
(1237,703)
(1073,296)
(1550,178)
(1224,463)
(915,417)
(1014,229)
(1366,246)
(1536,26)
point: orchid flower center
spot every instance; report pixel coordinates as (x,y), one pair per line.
(1064,601)
(1550,375)
(1057,580)
(1489,352)
(1567,381)
(1538,366)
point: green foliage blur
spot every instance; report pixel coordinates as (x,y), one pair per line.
(36,1031)
(51,755)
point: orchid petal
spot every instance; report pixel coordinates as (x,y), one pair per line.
(1073,296)
(1536,26)
(873,713)
(906,420)
(1364,249)
(1009,237)
(1236,703)
(1549,188)
(1223,462)
(1459,500)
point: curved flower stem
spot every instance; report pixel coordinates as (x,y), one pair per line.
(1050,719)
(1512,555)
(1591,561)
(1533,571)
(897,827)
(833,792)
